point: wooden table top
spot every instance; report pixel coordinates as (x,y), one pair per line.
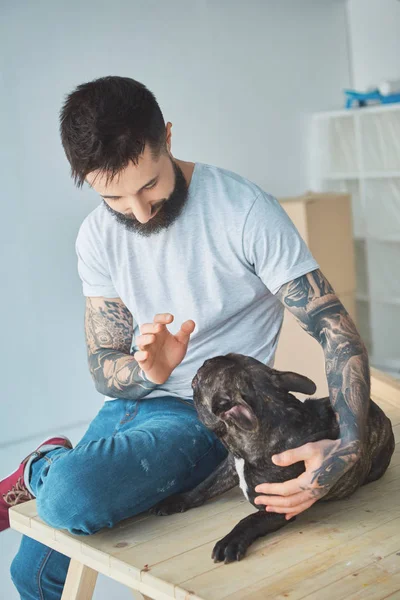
(341,550)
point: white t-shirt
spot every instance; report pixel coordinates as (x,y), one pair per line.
(220,263)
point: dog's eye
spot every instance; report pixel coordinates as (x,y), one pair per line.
(223,402)
(224,398)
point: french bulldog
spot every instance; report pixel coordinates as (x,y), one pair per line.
(250,408)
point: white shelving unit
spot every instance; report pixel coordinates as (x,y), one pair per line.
(358,151)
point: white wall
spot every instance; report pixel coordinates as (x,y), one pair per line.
(374,27)
(237,79)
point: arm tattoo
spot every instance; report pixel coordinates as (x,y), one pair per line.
(109,331)
(319,311)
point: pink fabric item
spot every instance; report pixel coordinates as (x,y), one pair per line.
(13,489)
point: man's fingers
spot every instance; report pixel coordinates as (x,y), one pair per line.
(145,340)
(292,512)
(282,501)
(185,331)
(289,457)
(141,356)
(159,323)
(292,486)
(147,328)
(163,318)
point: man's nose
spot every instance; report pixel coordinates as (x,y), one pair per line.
(141,210)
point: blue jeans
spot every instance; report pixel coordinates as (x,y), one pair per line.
(133,455)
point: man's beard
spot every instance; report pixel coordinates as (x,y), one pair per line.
(165,216)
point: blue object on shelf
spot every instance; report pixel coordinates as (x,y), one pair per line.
(362,98)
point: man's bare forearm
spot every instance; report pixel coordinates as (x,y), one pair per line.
(312,300)
(109,331)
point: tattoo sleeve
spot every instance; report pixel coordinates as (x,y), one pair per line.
(109,332)
(319,311)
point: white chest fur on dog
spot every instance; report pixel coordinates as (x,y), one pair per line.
(239,465)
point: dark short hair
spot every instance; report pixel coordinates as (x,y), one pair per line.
(106,123)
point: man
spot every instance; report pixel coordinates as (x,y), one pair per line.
(180,262)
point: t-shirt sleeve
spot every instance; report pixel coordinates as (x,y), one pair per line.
(92,266)
(273,246)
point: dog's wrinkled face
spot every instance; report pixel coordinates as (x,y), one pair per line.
(234,391)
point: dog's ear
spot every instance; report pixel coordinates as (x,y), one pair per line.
(293,382)
(242,415)
(262,376)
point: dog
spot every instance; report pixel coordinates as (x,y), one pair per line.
(250,408)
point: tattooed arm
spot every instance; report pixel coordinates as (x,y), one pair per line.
(109,331)
(319,311)
(315,305)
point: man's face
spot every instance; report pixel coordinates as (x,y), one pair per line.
(146,198)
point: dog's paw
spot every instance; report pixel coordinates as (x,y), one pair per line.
(170,506)
(229,549)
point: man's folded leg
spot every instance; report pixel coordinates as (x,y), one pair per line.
(38,572)
(157,447)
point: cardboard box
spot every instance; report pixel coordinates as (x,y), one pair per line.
(325,223)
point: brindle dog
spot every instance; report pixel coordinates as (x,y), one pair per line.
(250,408)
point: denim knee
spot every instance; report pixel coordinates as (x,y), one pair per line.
(68,500)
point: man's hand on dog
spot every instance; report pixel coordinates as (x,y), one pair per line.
(325,462)
(159,350)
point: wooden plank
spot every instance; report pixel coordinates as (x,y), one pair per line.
(396,431)
(129,577)
(140,596)
(395,461)
(150,528)
(213,583)
(184,539)
(124,532)
(45,535)
(324,511)
(185,595)
(136,531)
(158,585)
(394,596)
(366,496)
(374,582)
(189,563)
(23,513)
(370,496)
(80,582)
(151,587)
(392,473)
(325,568)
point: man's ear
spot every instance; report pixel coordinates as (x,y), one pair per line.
(168,136)
(242,416)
